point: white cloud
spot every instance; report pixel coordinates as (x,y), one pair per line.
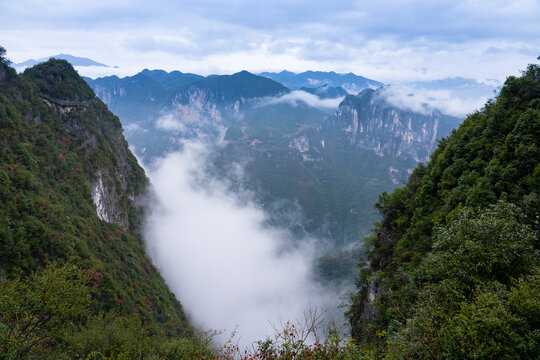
(424,101)
(389,41)
(218,255)
(169,122)
(302,96)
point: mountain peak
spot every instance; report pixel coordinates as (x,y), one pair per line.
(73,60)
(243,73)
(59,80)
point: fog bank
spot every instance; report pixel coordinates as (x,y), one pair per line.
(228,269)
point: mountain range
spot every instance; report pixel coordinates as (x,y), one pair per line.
(313,79)
(452,266)
(295,154)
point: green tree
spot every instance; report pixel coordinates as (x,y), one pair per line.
(480,294)
(3,58)
(35,310)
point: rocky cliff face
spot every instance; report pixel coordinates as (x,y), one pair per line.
(111,182)
(369,122)
(198,109)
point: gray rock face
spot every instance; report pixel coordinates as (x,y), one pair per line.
(369,122)
(111,189)
(200,109)
(109,94)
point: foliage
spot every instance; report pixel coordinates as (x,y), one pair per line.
(3,59)
(59,79)
(113,336)
(459,241)
(302,340)
(49,156)
(35,310)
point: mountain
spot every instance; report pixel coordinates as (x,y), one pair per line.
(454,262)
(326,91)
(142,97)
(333,167)
(370,122)
(226,89)
(173,79)
(73,60)
(133,98)
(350,82)
(327,169)
(71,192)
(154,104)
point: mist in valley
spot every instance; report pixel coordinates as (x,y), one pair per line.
(230,269)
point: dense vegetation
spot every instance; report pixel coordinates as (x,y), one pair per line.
(54,136)
(453,270)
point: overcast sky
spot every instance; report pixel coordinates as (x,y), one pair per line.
(386,40)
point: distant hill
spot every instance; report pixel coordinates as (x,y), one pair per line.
(310,79)
(193,104)
(226,89)
(73,60)
(326,91)
(333,166)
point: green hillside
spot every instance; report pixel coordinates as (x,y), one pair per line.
(57,141)
(453,270)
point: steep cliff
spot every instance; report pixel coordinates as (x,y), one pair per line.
(370,122)
(70,190)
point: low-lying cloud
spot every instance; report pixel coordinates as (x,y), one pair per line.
(302,96)
(170,123)
(230,270)
(424,101)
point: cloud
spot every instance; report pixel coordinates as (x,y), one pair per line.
(390,41)
(297,96)
(169,122)
(424,101)
(219,256)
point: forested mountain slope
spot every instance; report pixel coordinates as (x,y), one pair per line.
(69,189)
(453,270)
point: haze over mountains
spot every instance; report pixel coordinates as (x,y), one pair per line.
(256,183)
(307,149)
(308,163)
(274,180)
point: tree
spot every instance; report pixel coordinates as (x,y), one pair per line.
(36,309)
(3,59)
(481,299)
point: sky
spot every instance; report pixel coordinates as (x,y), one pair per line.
(387,40)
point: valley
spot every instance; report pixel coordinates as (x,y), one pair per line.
(260,204)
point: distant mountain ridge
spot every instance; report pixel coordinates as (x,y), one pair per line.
(73,60)
(351,82)
(326,91)
(368,121)
(371,143)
